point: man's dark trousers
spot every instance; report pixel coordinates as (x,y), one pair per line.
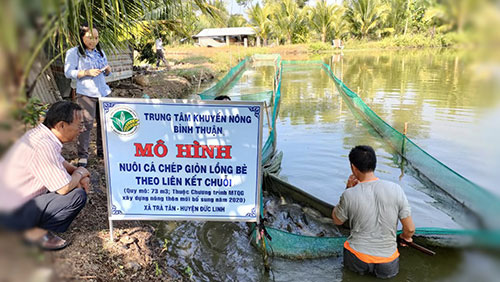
(49,211)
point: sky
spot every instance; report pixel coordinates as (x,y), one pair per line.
(234,8)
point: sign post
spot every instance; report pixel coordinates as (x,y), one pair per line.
(182,159)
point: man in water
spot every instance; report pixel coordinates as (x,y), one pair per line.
(372,207)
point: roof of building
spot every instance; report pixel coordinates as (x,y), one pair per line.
(230,31)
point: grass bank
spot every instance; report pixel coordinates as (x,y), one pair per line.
(414,41)
(223,58)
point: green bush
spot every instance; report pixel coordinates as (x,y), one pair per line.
(146,53)
(195,60)
(318,47)
(453,38)
(193,74)
(32,112)
(410,41)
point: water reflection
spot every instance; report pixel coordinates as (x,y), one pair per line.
(448,98)
(315,152)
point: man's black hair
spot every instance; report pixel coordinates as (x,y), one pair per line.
(60,111)
(363,158)
(222,97)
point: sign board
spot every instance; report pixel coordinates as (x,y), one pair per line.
(182,159)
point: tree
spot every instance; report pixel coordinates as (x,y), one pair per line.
(397,18)
(260,22)
(407,15)
(325,19)
(459,11)
(435,17)
(418,10)
(365,17)
(236,20)
(287,18)
(173,24)
(301,3)
(244,3)
(190,22)
(219,17)
(31,27)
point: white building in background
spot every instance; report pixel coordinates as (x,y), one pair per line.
(217,37)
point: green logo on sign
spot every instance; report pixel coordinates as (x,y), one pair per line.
(124,121)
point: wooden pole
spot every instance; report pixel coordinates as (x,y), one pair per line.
(111,231)
(404,139)
(268,118)
(199,81)
(421,248)
(416,246)
(403,143)
(342,68)
(274,81)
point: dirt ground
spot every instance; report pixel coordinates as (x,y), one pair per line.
(174,83)
(135,254)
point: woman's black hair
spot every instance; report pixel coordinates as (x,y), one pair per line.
(84,28)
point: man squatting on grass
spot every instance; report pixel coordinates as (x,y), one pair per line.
(40,192)
(372,207)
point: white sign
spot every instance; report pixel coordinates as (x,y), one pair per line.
(182,160)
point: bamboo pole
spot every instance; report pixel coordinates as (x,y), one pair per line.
(269,124)
(199,81)
(405,131)
(403,142)
(342,68)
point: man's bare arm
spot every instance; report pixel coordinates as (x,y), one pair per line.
(335,218)
(77,174)
(408,229)
(75,182)
(71,168)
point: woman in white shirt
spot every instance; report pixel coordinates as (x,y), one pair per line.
(88,65)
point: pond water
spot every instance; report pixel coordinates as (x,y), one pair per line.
(451,102)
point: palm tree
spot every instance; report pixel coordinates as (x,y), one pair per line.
(31,27)
(236,20)
(436,19)
(365,16)
(261,24)
(325,19)
(460,11)
(288,18)
(406,15)
(341,29)
(398,15)
(220,17)
(190,22)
